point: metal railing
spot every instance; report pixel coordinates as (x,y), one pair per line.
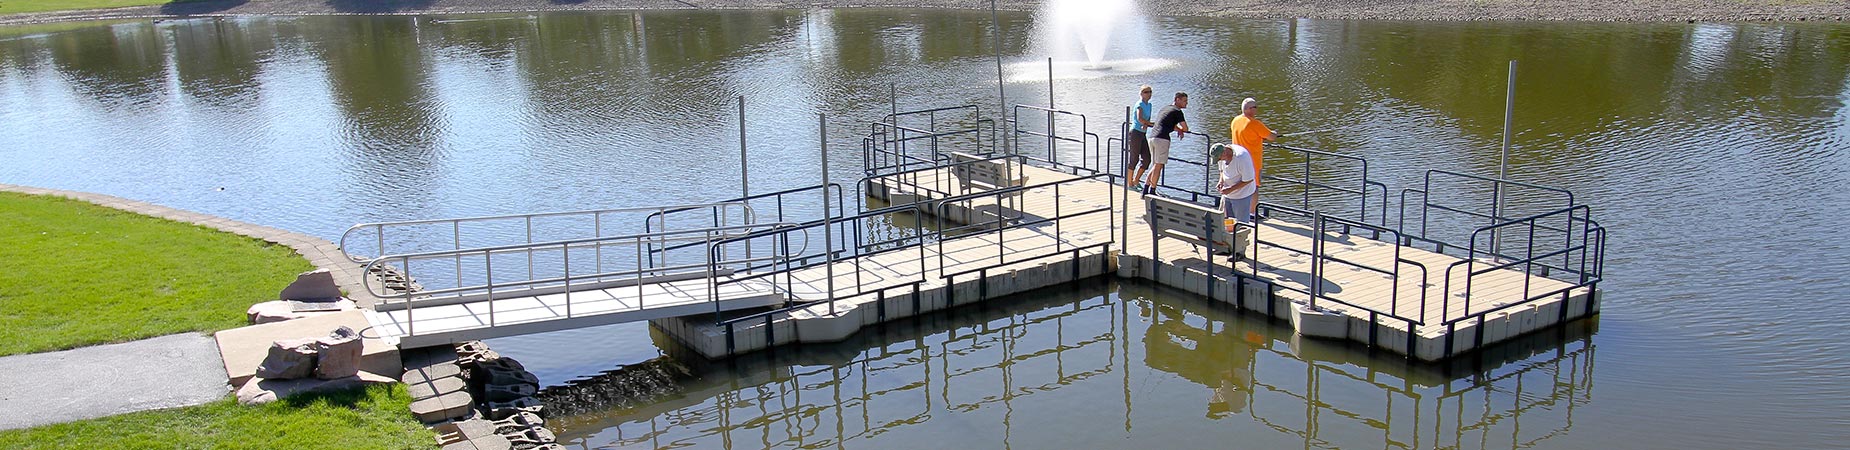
(1090,144)
(1590,247)
(887,148)
(936,180)
(1427,205)
(862,247)
(567,281)
(847,228)
(1307,181)
(778,210)
(1001,221)
(1322,226)
(722,212)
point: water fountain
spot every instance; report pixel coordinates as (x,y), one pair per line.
(1089,39)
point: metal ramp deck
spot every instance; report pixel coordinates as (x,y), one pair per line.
(483,319)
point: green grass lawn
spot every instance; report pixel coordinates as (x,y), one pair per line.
(78,274)
(373,418)
(26,6)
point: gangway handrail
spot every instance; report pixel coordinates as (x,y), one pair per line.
(838,209)
(694,235)
(456,238)
(564,283)
(746,200)
(791,262)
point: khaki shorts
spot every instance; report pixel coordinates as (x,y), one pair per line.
(1159,151)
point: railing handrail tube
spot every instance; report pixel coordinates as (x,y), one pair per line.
(657,236)
(378,225)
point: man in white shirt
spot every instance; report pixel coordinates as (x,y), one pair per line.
(1236,187)
(1236,181)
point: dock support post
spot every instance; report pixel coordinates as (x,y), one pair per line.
(828,229)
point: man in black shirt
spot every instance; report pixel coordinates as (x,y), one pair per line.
(1169,123)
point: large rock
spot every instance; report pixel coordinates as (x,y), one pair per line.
(338,355)
(289,359)
(312,286)
(258,391)
(281,310)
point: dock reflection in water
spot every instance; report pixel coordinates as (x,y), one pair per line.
(1125,365)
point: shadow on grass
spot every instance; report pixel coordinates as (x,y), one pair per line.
(344,398)
(191,7)
(378,6)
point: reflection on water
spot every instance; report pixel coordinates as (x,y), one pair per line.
(1124,365)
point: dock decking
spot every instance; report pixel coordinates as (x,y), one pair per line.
(1112,236)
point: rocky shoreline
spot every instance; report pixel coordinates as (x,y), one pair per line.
(1443,10)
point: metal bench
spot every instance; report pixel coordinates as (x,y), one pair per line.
(1191,223)
(991,174)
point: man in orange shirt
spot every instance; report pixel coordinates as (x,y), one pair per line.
(1250,133)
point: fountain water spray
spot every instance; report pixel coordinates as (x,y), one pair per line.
(1087,25)
(1089,39)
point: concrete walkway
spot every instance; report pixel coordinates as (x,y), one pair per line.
(105,380)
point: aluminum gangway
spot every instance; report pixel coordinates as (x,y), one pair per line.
(503,275)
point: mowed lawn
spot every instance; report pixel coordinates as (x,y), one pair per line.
(26,6)
(77,274)
(370,418)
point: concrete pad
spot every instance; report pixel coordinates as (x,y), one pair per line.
(105,380)
(244,348)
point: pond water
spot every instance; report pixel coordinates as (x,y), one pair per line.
(1714,153)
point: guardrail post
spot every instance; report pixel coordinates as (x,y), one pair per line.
(1316,258)
(410,322)
(565,251)
(488,265)
(828,231)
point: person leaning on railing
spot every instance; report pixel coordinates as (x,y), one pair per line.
(1251,135)
(1139,140)
(1169,122)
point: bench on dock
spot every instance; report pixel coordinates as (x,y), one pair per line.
(986,175)
(1191,223)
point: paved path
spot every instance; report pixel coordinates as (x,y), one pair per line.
(105,380)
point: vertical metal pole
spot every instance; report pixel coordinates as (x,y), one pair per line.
(1503,162)
(1001,94)
(1051,155)
(745,187)
(828,231)
(566,253)
(1316,257)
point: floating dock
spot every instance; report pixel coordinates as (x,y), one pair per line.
(965,227)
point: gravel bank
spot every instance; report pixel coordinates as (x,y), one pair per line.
(1589,10)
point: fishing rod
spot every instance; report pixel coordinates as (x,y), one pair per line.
(1322,130)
